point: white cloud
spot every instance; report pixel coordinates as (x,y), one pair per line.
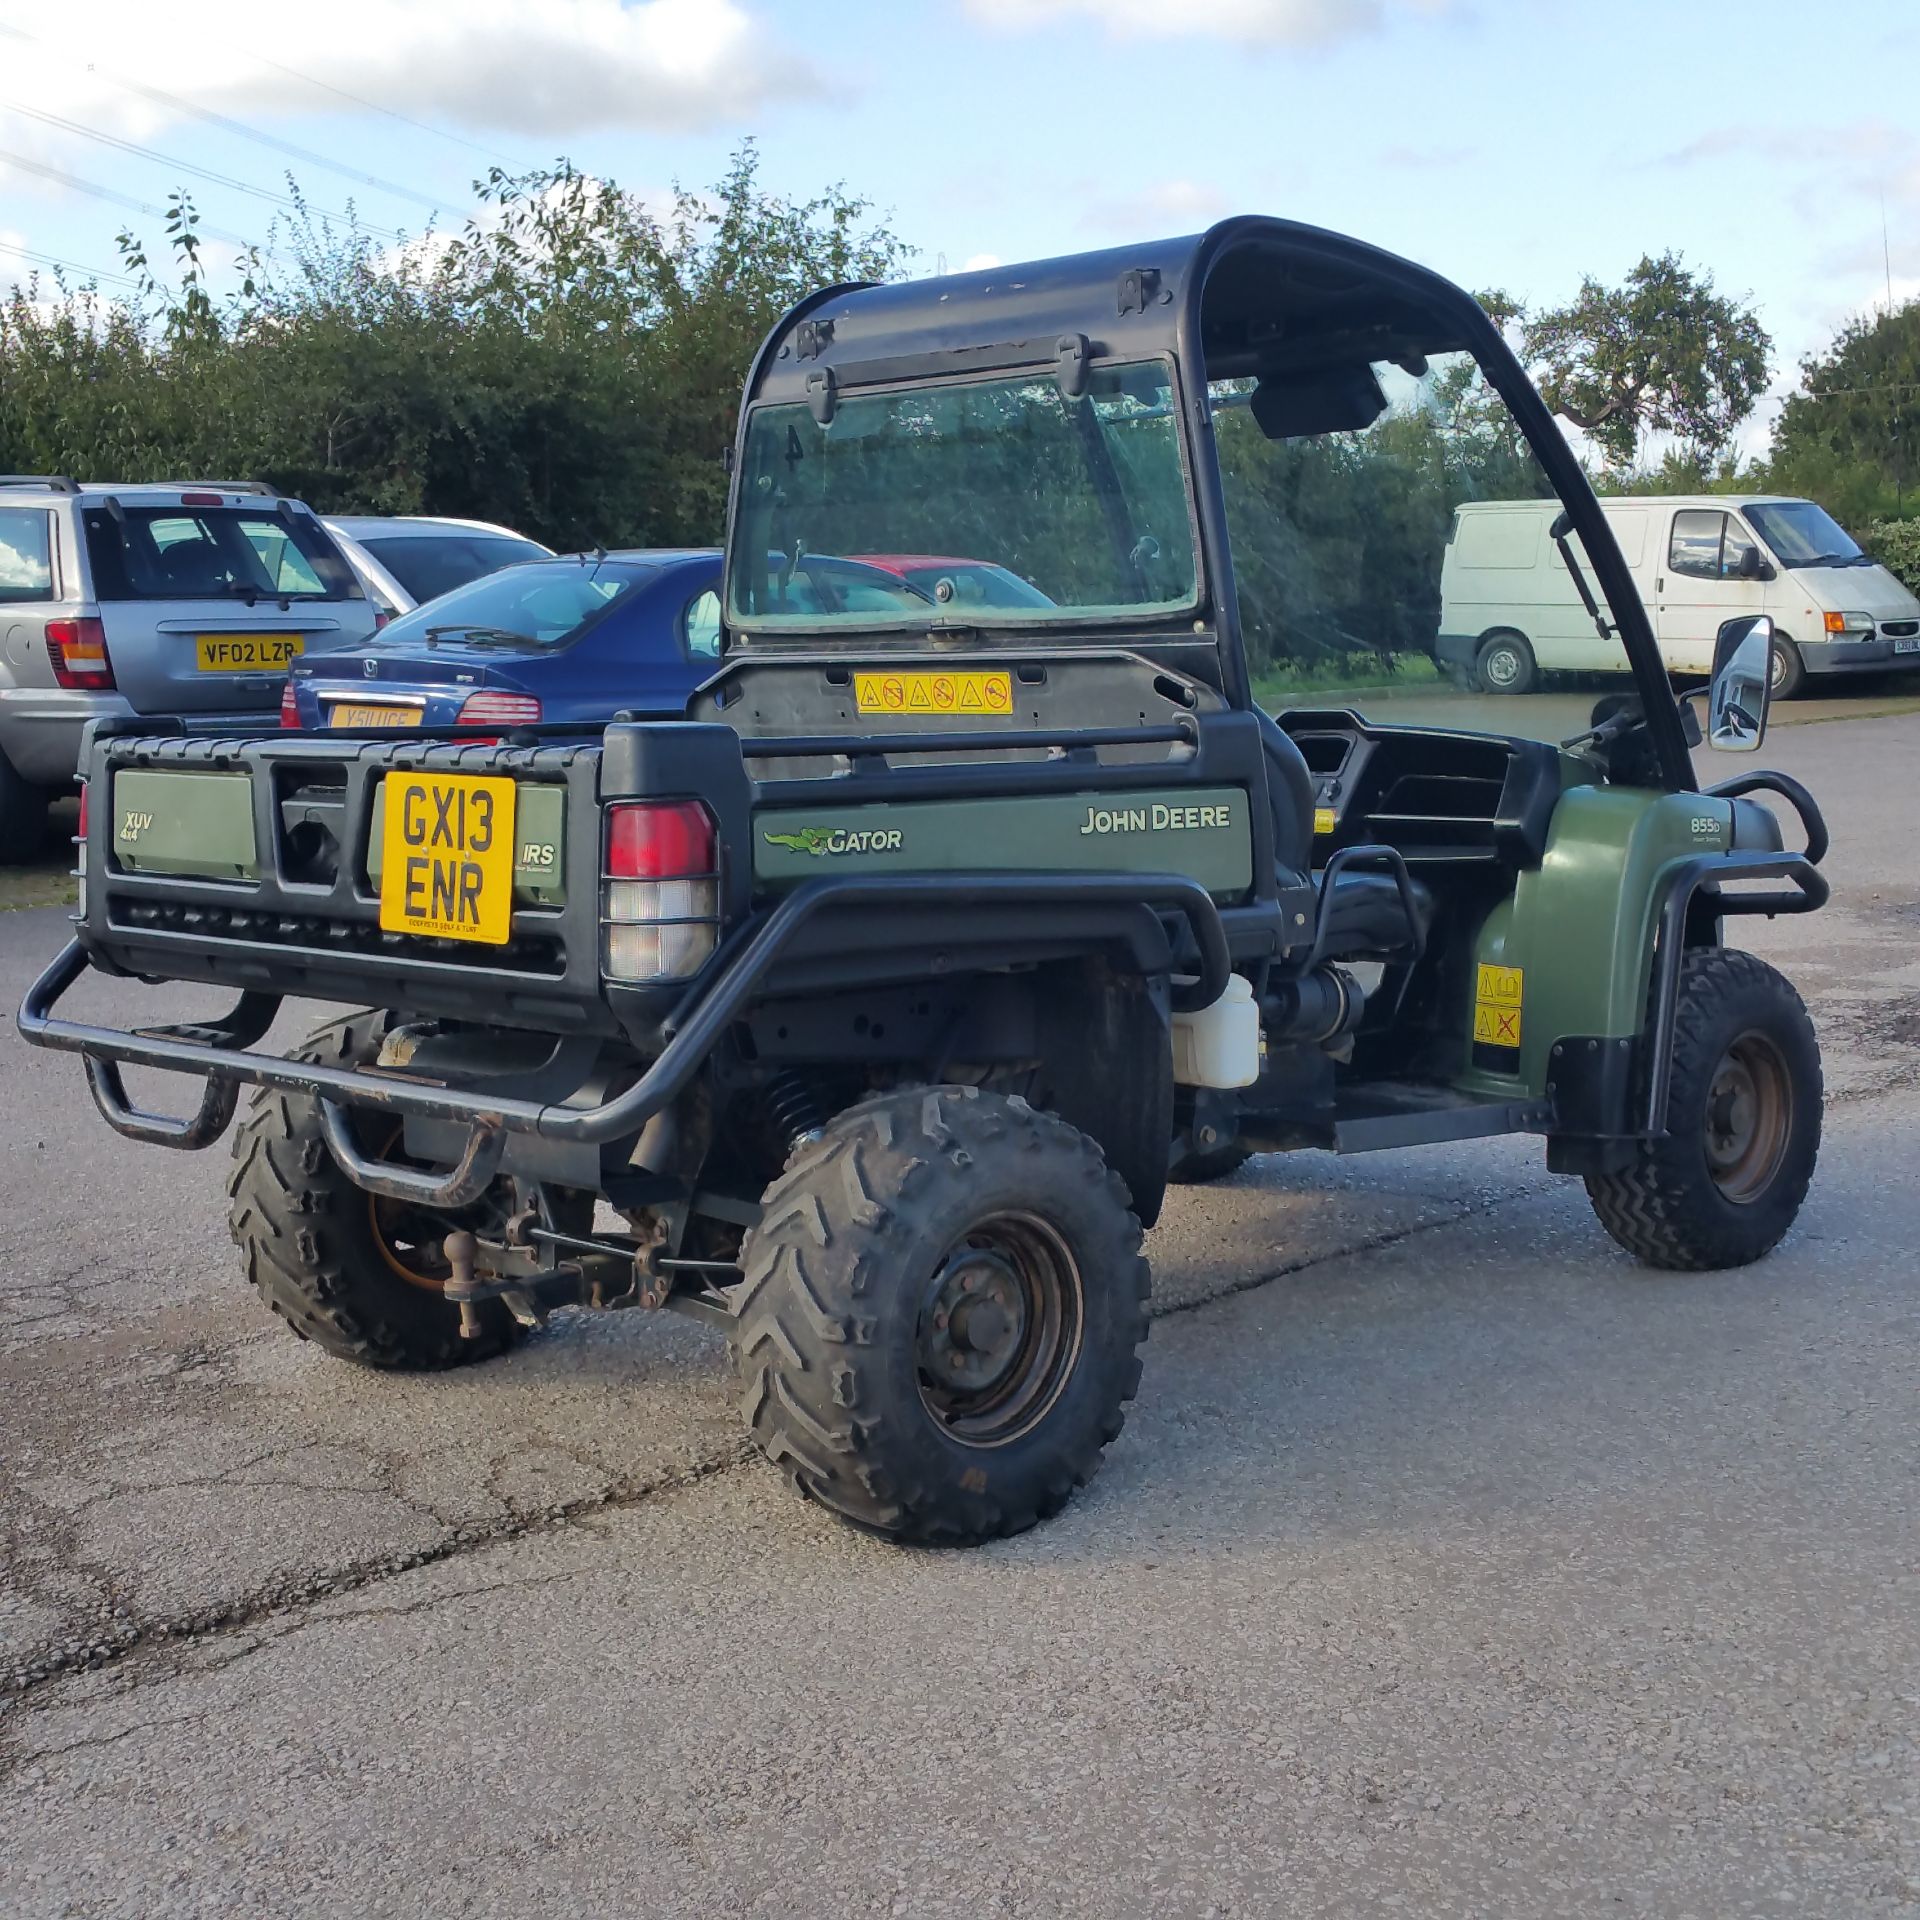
(1285,23)
(560,68)
(981,263)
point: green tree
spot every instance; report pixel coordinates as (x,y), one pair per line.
(1661,352)
(1850,436)
(569,363)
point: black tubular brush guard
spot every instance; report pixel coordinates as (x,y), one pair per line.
(219,1050)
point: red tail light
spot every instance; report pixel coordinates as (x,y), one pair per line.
(200,500)
(77,650)
(289,708)
(499,710)
(660,901)
(380,618)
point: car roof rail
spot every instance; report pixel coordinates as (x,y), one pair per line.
(260,487)
(56,482)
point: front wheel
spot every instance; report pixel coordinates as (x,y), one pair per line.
(1725,1181)
(1786,670)
(939,1315)
(1506,665)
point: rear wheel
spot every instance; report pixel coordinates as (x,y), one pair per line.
(358,1274)
(23,817)
(1786,670)
(1506,664)
(1725,1181)
(939,1315)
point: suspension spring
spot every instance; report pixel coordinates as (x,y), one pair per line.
(791,1106)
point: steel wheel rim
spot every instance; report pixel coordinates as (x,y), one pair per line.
(408,1238)
(1503,664)
(1776,668)
(1749,1118)
(1000,1330)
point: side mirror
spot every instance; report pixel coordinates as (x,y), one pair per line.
(1742,685)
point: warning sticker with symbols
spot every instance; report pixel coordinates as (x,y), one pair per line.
(942,693)
(1496,1006)
(1325,819)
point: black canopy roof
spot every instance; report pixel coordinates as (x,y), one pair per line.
(1251,294)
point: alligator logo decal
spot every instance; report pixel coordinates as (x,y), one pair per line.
(822,841)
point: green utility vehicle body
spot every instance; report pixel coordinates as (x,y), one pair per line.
(883,996)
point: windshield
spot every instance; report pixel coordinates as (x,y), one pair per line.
(209,553)
(1407,567)
(1803,535)
(1049,505)
(428,565)
(533,607)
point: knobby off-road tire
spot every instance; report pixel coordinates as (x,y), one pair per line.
(1202,1169)
(932,1229)
(313,1242)
(1726,1180)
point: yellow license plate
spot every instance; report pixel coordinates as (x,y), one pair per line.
(447,857)
(934,693)
(346,716)
(246,652)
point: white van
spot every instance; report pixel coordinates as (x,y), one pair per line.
(1509,611)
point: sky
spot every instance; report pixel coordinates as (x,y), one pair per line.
(1516,144)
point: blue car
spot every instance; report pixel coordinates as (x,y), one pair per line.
(575,638)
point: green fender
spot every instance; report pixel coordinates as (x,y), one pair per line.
(1579,931)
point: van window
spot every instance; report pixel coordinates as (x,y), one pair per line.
(26,559)
(1709,546)
(1498,539)
(1735,544)
(1695,547)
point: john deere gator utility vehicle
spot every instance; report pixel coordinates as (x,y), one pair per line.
(867,1012)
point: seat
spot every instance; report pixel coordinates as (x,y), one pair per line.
(1366,918)
(1365,915)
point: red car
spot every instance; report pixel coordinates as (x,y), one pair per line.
(955,582)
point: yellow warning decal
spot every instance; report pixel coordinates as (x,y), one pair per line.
(1496,1006)
(936,693)
(1324,819)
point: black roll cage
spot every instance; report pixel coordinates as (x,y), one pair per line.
(1129,303)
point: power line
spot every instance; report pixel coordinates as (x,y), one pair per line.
(172,100)
(119,199)
(373,106)
(185,166)
(66,266)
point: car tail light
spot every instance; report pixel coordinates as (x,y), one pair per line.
(77,650)
(660,891)
(289,708)
(380,618)
(499,710)
(200,499)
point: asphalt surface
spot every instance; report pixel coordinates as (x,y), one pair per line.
(1449,1563)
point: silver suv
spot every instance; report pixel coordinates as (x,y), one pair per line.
(183,601)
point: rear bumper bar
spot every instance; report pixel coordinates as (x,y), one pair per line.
(220,1051)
